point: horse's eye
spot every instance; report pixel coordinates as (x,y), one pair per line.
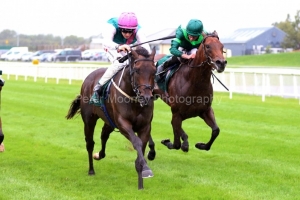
(207,46)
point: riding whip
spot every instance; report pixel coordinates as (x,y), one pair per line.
(121,60)
(164,38)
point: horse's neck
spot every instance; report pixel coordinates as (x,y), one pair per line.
(201,70)
(198,74)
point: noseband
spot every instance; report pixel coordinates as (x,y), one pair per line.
(135,86)
(208,59)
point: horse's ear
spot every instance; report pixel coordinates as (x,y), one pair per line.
(153,52)
(203,34)
(215,33)
(134,53)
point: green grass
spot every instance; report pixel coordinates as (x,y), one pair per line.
(256,155)
(267,60)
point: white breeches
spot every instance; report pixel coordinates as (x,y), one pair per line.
(193,51)
(114,67)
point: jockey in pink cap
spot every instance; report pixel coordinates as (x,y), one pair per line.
(120,33)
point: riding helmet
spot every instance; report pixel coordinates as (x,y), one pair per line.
(194,27)
(127,20)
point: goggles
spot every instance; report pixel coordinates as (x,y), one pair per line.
(123,30)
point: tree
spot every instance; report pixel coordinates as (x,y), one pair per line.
(40,41)
(292,28)
(73,40)
(8,37)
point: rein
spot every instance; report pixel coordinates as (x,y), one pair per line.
(122,92)
(208,59)
(135,87)
(133,82)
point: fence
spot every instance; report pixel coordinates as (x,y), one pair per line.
(255,81)
(48,70)
(284,82)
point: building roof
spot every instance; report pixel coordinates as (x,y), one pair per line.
(244,34)
(160,34)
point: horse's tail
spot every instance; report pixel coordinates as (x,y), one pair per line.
(74,108)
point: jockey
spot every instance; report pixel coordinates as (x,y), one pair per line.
(185,45)
(120,33)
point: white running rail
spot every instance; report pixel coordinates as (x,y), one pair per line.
(284,82)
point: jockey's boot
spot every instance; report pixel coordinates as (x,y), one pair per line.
(161,69)
(95,99)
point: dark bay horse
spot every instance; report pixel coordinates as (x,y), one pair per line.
(190,92)
(129,108)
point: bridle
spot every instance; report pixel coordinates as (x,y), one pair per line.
(134,85)
(208,60)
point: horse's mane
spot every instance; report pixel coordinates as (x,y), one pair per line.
(214,34)
(142,51)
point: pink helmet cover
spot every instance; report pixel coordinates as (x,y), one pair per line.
(128,20)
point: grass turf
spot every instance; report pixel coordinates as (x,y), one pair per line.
(256,155)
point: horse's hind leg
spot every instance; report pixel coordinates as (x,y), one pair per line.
(89,134)
(210,120)
(106,130)
(151,153)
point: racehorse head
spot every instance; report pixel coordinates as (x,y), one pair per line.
(212,52)
(142,71)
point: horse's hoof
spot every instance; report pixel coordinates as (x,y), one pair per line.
(2,147)
(202,146)
(147,173)
(151,155)
(91,172)
(176,145)
(165,142)
(96,156)
(185,148)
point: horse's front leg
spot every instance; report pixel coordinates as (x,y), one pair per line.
(178,133)
(141,165)
(209,118)
(185,143)
(106,130)
(139,143)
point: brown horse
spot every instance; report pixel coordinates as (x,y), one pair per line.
(128,107)
(190,92)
